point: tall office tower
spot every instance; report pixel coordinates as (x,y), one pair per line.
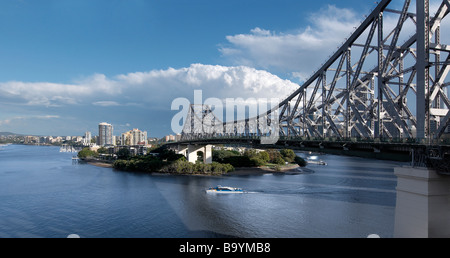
(105,134)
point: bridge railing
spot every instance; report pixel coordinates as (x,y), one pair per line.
(412,141)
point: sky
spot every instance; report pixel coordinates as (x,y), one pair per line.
(68,65)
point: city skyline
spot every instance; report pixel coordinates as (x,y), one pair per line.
(68,64)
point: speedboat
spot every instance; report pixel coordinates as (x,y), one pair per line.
(224,189)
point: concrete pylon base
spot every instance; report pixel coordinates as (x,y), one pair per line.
(423,204)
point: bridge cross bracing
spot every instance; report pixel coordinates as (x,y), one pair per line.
(384,81)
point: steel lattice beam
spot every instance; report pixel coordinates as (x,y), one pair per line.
(391,91)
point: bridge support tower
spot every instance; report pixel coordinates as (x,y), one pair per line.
(190,151)
(423,204)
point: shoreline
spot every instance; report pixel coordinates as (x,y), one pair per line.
(248,171)
(97,163)
(100,164)
(239,171)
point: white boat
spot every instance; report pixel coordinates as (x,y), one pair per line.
(315,160)
(224,189)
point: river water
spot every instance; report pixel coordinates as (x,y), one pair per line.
(43,194)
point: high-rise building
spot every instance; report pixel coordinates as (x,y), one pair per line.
(105,134)
(134,137)
(87,138)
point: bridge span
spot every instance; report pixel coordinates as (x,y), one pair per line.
(395,90)
(432,154)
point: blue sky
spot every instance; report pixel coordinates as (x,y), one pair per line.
(67,65)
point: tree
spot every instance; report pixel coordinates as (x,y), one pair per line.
(273,155)
(258,161)
(288,155)
(251,153)
(258,158)
(220,155)
(123,153)
(102,150)
(279,161)
(300,161)
(86,153)
(264,156)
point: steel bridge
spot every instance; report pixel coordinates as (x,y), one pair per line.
(386,85)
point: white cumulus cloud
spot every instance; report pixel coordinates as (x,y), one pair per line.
(298,52)
(156,87)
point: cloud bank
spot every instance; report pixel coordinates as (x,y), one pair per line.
(154,88)
(298,52)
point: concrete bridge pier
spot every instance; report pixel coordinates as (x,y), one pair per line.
(190,152)
(423,204)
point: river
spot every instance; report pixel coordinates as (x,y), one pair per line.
(44,195)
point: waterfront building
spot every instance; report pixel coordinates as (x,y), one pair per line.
(31,140)
(87,138)
(134,137)
(105,134)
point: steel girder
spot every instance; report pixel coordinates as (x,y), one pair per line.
(388,91)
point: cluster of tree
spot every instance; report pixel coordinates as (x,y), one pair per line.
(224,161)
(139,164)
(87,153)
(182,166)
(255,158)
(167,161)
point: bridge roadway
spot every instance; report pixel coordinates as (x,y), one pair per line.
(393,149)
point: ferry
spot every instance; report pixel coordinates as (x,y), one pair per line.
(224,189)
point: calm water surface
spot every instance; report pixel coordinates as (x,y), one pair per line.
(42,194)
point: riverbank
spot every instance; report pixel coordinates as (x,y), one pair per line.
(249,171)
(239,171)
(98,163)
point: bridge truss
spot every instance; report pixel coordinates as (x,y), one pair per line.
(388,80)
(374,97)
(394,88)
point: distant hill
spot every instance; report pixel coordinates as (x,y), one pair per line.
(9,134)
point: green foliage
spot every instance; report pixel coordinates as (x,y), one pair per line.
(102,150)
(257,158)
(172,163)
(300,161)
(123,153)
(185,167)
(86,153)
(258,161)
(220,155)
(170,155)
(239,161)
(273,155)
(288,155)
(279,161)
(251,153)
(224,161)
(264,156)
(144,164)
